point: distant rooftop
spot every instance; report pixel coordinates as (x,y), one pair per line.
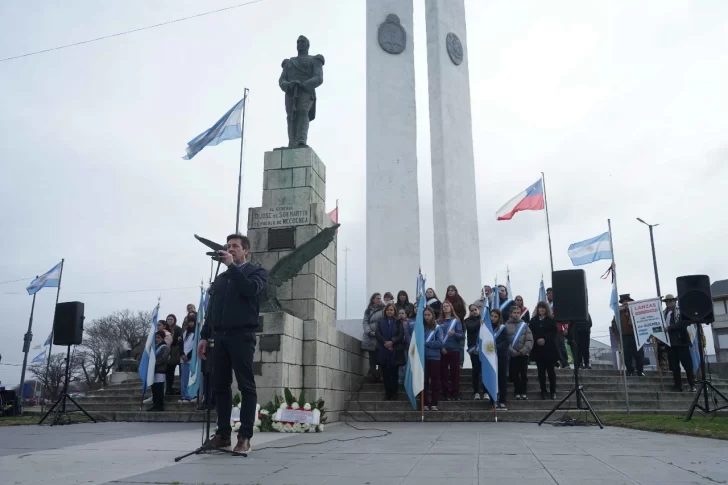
(719,289)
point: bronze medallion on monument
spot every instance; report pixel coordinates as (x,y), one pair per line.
(454,48)
(392,37)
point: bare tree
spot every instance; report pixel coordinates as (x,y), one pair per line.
(105,340)
(53,375)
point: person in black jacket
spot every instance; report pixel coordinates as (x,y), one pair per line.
(501,347)
(544,352)
(161,353)
(174,353)
(390,336)
(472,330)
(680,344)
(579,341)
(232,317)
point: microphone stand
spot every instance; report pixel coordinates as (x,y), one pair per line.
(207,446)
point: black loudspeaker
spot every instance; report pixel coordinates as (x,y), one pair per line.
(694,298)
(68,323)
(571,302)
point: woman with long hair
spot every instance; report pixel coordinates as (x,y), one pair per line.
(372,314)
(403,302)
(520,340)
(433,345)
(501,348)
(188,345)
(472,326)
(403,319)
(525,313)
(390,335)
(452,334)
(433,302)
(458,306)
(544,352)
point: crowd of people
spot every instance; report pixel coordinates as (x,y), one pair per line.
(452,329)
(174,345)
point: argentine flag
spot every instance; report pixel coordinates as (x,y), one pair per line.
(542,292)
(414,380)
(590,250)
(149,359)
(193,384)
(229,127)
(488,354)
(51,279)
(40,358)
(695,349)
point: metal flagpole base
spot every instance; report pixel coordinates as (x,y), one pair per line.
(580,395)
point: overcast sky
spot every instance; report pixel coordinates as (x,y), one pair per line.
(622,104)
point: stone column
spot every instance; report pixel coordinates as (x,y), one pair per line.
(457,247)
(393,218)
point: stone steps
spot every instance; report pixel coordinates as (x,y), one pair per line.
(156,416)
(511,415)
(535,404)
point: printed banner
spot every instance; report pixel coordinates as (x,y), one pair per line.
(647,319)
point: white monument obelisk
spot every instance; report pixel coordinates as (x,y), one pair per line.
(457,249)
(392,205)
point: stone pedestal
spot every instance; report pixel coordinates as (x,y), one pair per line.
(300,348)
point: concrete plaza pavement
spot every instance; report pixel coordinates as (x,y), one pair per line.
(414,453)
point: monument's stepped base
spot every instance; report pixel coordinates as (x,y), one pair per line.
(603,388)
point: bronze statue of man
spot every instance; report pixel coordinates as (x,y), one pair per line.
(300,77)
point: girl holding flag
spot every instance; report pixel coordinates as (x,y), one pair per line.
(472,327)
(520,341)
(433,345)
(501,346)
(452,335)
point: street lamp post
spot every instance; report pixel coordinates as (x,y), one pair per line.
(654,257)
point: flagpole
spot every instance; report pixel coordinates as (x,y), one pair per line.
(617,319)
(26,347)
(240,170)
(336,240)
(50,344)
(548,225)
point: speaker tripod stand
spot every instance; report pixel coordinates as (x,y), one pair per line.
(61,401)
(704,385)
(578,389)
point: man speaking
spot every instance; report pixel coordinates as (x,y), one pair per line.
(231,322)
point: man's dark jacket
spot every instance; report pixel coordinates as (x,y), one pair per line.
(234,300)
(677,330)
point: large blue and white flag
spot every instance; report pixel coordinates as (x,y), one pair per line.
(229,127)
(149,359)
(414,380)
(695,349)
(488,354)
(590,250)
(542,292)
(193,385)
(50,279)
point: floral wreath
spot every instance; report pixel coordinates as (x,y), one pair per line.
(266,420)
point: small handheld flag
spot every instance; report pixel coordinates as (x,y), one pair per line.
(148,360)
(542,291)
(414,381)
(195,366)
(50,279)
(229,127)
(488,354)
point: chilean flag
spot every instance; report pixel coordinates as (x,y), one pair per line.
(530,199)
